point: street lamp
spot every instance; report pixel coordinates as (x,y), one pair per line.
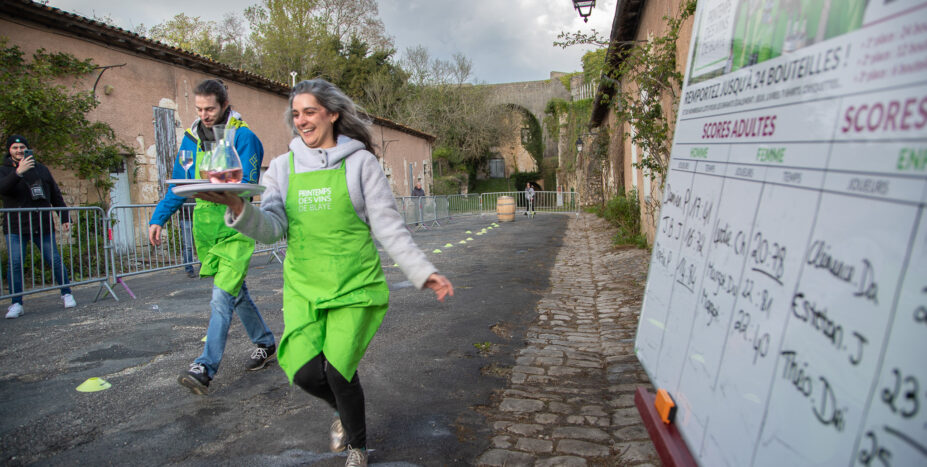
(293,78)
(579,144)
(584,7)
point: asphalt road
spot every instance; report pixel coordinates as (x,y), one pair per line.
(425,376)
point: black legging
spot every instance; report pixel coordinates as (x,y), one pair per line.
(325,382)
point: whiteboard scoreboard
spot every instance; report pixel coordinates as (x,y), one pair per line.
(786,303)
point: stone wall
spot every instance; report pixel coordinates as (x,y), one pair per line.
(128,94)
(618,173)
(533,96)
(652,24)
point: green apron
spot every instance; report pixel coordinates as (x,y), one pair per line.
(223,252)
(334,291)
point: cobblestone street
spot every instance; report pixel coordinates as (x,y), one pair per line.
(570,397)
(553,304)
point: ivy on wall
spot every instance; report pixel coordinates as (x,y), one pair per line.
(535,141)
(575,116)
(45,99)
(650,96)
(566,79)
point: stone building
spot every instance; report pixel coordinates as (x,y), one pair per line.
(145,93)
(634,21)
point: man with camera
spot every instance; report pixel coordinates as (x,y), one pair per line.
(27,184)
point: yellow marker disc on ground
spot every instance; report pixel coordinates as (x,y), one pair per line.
(203,339)
(448,245)
(479,233)
(436,251)
(462,242)
(468,232)
(470,239)
(93,385)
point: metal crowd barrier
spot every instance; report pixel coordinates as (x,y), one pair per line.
(543,202)
(80,250)
(107,247)
(463,205)
(418,211)
(131,252)
(426,211)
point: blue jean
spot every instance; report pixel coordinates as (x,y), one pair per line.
(223,304)
(186,243)
(46,243)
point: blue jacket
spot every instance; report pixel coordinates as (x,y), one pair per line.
(249,148)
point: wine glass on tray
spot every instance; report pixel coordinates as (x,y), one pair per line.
(185,158)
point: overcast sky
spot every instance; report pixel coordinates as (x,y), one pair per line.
(507,40)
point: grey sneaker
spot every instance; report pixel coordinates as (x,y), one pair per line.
(14,311)
(339,438)
(69,301)
(356,458)
(195,379)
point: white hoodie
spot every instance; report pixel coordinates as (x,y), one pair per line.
(369,191)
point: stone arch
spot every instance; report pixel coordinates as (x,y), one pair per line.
(532,96)
(533,139)
(521,147)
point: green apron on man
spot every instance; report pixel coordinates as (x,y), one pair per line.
(224,252)
(334,292)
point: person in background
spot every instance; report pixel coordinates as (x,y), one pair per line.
(418,192)
(330,197)
(27,183)
(529,197)
(223,253)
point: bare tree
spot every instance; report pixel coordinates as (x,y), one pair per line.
(417,62)
(461,68)
(359,18)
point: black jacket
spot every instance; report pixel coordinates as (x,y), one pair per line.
(16,192)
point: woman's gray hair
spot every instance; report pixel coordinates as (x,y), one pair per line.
(351,122)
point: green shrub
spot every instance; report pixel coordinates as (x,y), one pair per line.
(447,185)
(493,185)
(522,178)
(624,212)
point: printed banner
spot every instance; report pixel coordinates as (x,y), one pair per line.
(786,303)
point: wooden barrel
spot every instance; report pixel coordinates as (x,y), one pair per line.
(505,208)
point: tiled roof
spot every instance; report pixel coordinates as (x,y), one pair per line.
(96,31)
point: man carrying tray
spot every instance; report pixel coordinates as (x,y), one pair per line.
(223,252)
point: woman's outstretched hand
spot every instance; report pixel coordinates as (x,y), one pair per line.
(440,285)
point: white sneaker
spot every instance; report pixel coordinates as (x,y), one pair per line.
(69,301)
(14,311)
(356,458)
